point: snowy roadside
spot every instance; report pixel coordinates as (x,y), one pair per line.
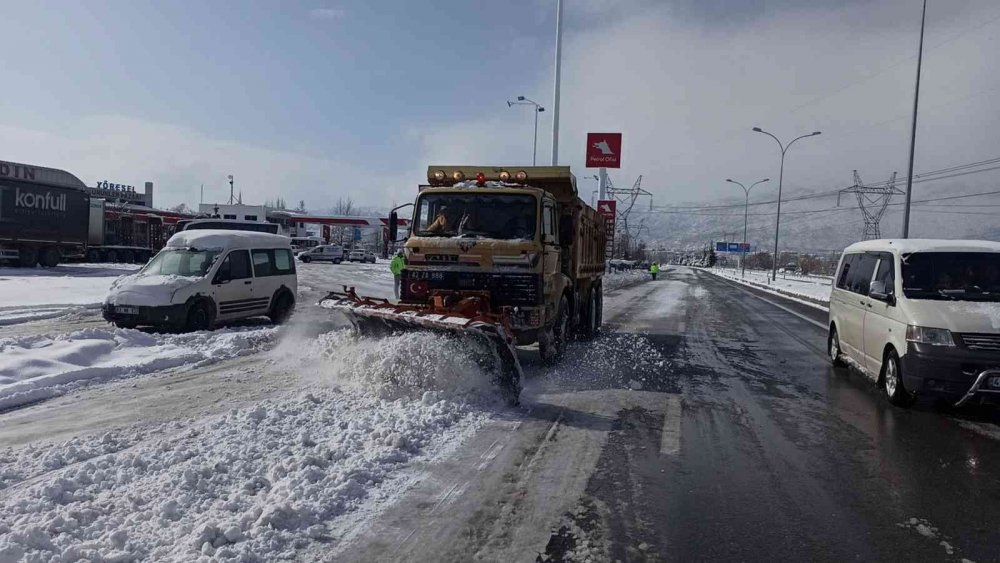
(813,291)
(263,482)
(32,294)
(34,368)
(614,281)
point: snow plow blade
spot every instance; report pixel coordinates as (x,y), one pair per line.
(459,315)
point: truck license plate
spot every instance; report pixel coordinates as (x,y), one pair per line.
(127,310)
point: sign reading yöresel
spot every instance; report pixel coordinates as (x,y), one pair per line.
(604,150)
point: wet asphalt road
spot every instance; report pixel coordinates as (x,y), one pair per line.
(775,455)
(705,424)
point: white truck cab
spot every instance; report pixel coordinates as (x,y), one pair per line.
(202,277)
(920,317)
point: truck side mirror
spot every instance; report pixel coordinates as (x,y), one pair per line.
(393,226)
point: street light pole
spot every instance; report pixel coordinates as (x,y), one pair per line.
(230,189)
(555,92)
(913,128)
(781,177)
(522,101)
(746,216)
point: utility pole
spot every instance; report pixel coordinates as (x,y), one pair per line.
(913,127)
(555,94)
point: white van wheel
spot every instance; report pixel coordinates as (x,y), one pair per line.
(834,349)
(892,381)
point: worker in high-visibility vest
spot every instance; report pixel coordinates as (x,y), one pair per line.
(654,269)
(396,267)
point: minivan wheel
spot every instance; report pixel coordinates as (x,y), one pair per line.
(306,259)
(199,318)
(892,381)
(282,309)
(834,348)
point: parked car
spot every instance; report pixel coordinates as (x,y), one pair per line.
(325,253)
(362,256)
(202,277)
(920,317)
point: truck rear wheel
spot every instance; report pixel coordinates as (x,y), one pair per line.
(591,315)
(93,255)
(111,256)
(49,257)
(552,346)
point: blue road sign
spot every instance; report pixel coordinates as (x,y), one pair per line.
(722,247)
(732,247)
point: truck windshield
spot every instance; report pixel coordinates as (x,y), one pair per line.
(472,215)
(181,262)
(958,276)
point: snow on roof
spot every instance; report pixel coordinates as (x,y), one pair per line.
(220,238)
(906,246)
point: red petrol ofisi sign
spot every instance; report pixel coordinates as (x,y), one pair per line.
(604,150)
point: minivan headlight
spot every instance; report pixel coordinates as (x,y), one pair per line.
(931,336)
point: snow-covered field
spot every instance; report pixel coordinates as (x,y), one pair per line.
(31,294)
(38,367)
(813,289)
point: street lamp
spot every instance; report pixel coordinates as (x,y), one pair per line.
(746,215)
(522,101)
(230,189)
(781,176)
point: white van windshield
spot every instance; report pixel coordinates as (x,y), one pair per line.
(181,262)
(957,276)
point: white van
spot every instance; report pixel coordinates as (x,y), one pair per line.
(920,317)
(202,277)
(327,252)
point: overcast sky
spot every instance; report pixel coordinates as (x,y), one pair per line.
(318,100)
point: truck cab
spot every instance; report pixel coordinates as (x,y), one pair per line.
(519,236)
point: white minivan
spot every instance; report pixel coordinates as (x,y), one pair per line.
(202,277)
(920,317)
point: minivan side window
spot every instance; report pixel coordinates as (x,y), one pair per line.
(276,262)
(861,274)
(886,272)
(283,263)
(236,266)
(845,271)
(262,263)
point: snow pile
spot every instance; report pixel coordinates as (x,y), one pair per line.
(625,278)
(256,484)
(26,315)
(38,367)
(407,364)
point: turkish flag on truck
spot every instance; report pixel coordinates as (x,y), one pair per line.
(604,150)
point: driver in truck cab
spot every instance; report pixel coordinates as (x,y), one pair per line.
(440,223)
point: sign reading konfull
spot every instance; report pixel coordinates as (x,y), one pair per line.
(607,208)
(604,150)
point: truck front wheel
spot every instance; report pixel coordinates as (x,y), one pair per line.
(27,257)
(552,344)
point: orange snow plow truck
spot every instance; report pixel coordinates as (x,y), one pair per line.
(510,256)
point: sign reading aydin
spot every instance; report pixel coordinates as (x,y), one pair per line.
(607,208)
(604,150)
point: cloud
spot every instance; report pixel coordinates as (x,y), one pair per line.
(326,14)
(179,160)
